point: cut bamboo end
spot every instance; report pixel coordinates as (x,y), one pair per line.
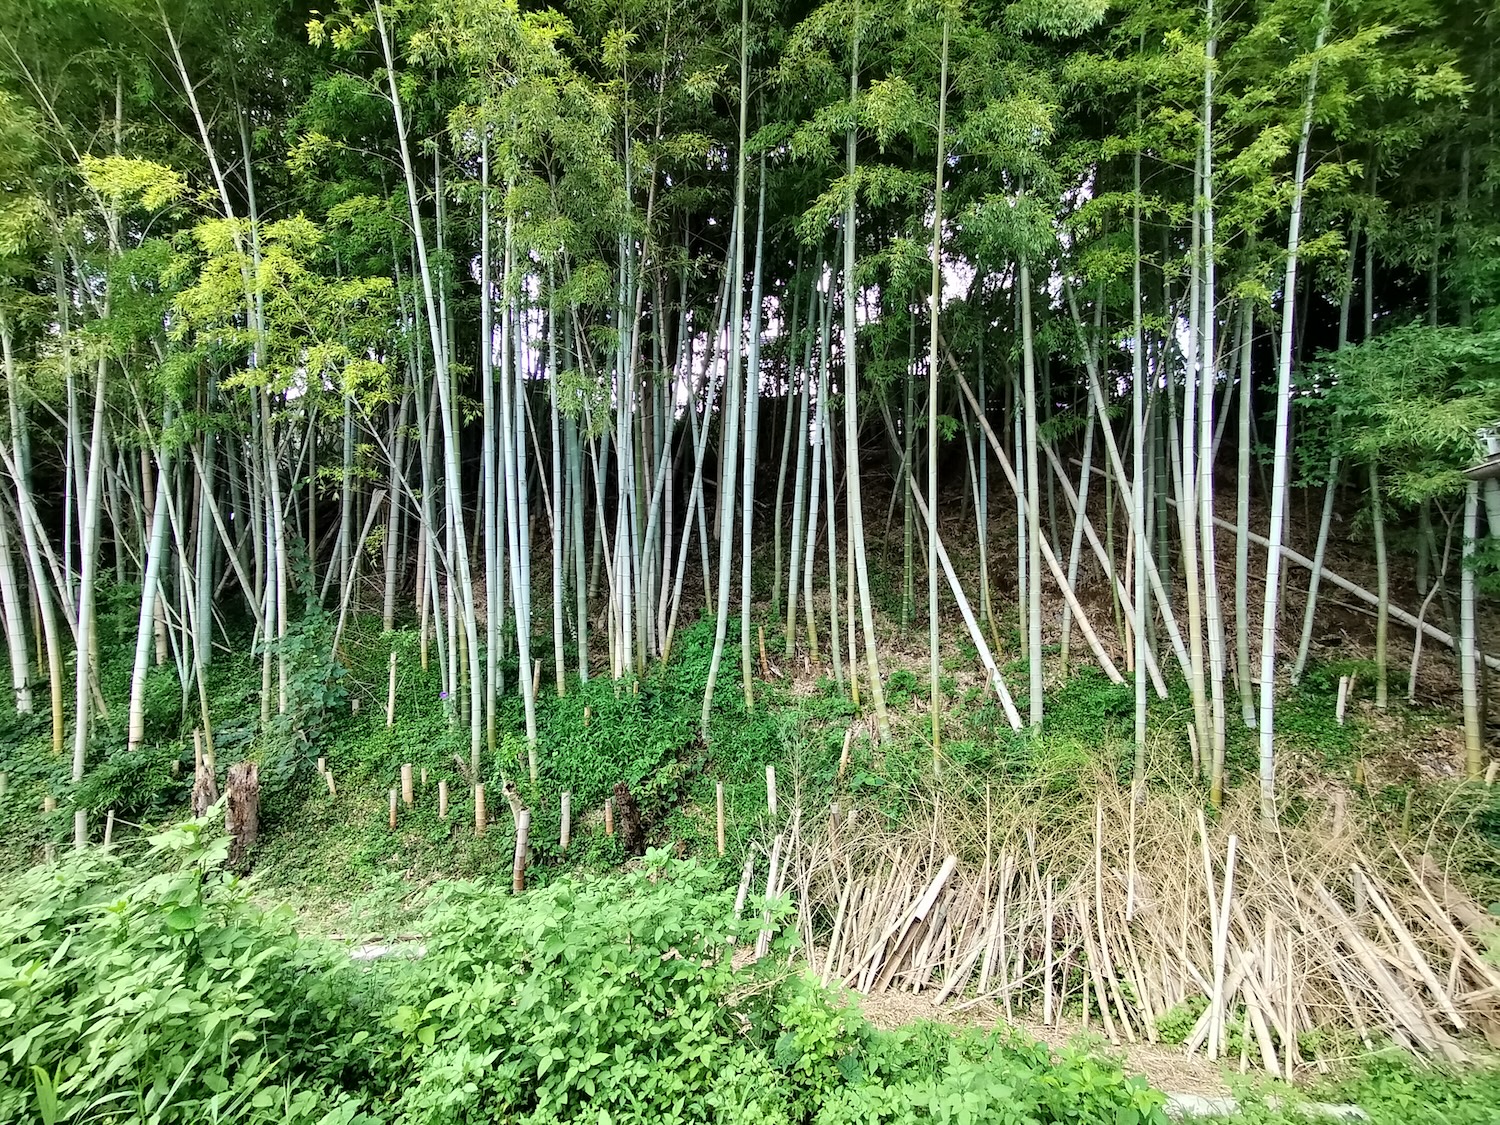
(393,810)
(609,816)
(408,796)
(332,789)
(565,829)
(442,800)
(322,766)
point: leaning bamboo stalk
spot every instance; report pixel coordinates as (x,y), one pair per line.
(1061,578)
(763,940)
(1414,955)
(975,633)
(1427,629)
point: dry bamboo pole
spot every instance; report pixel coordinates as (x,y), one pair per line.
(565,826)
(1048,920)
(1451,932)
(390,695)
(1081,908)
(609,816)
(905,927)
(831,956)
(1106,963)
(408,795)
(745,875)
(1221,937)
(443,800)
(332,789)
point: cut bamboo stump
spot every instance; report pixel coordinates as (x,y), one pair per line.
(1343,699)
(442,800)
(480,816)
(565,828)
(242,812)
(393,810)
(771,789)
(332,789)
(205,788)
(109,828)
(719,813)
(424,777)
(609,816)
(4,783)
(322,766)
(408,797)
(518,865)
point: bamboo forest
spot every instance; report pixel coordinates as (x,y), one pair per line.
(683,561)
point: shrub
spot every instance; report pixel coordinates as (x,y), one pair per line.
(168,998)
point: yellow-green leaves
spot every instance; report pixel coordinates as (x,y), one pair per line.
(1057,18)
(124,180)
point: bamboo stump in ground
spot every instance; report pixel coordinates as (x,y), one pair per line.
(628,821)
(242,812)
(205,789)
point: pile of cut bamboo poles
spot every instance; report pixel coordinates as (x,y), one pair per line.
(1303,942)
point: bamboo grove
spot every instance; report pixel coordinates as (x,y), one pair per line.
(541,330)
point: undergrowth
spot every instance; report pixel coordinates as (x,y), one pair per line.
(602,1000)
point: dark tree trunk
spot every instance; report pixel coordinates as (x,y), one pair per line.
(242,812)
(628,821)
